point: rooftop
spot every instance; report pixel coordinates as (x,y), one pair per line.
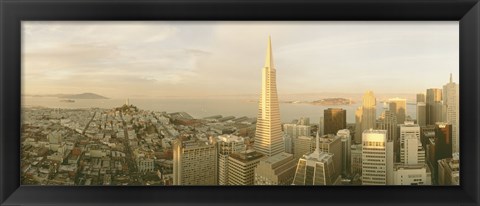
(247,156)
(278,158)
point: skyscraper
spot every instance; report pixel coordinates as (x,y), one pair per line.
(358,125)
(449,171)
(420,97)
(451,102)
(227,144)
(399,107)
(302,145)
(194,163)
(388,121)
(332,144)
(296,130)
(268,134)
(276,170)
(369,114)
(433,100)
(421,114)
(443,141)
(321,130)
(316,168)
(356,159)
(334,119)
(377,158)
(406,129)
(439,147)
(241,166)
(411,151)
(304,121)
(344,135)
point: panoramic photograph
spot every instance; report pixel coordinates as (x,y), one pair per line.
(228,103)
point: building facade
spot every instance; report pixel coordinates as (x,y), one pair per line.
(241,167)
(415,174)
(358,125)
(332,144)
(421,114)
(449,171)
(411,150)
(194,163)
(227,144)
(276,170)
(369,111)
(268,134)
(433,101)
(334,119)
(346,139)
(303,145)
(296,130)
(356,162)
(377,158)
(316,168)
(451,102)
(399,107)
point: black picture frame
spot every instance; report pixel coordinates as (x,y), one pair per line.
(12,12)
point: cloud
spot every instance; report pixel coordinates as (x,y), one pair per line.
(191,58)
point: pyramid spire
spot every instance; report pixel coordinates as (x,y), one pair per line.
(317,143)
(269,56)
(450,77)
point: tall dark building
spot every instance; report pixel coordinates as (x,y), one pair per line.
(443,141)
(439,147)
(334,119)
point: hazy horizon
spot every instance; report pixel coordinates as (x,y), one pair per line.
(283,97)
(202,59)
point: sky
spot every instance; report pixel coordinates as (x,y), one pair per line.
(157,59)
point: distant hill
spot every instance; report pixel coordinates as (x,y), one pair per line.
(333,101)
(81,96)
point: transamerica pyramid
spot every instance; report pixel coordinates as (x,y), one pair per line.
(268,134)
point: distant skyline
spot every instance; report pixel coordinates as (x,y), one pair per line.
(160,59)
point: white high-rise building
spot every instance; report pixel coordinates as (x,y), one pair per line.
(451,102)
(416,174)
(377,158)
(227,144)
(411,150)
(268,134)
(194,163)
